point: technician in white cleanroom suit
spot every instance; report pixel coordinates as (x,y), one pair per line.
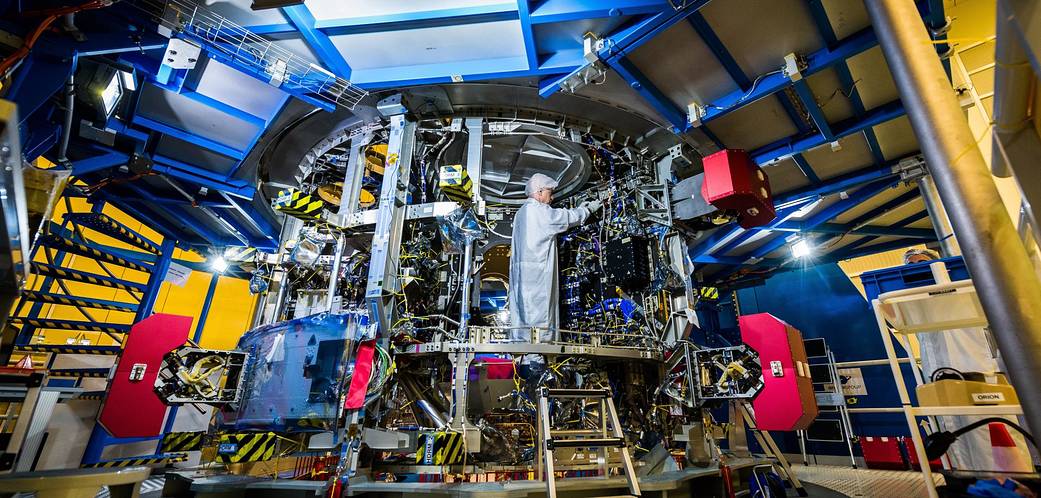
(533,262)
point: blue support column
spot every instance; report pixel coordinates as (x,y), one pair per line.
(530,51)
(155,280)
(214,279)
(802,89)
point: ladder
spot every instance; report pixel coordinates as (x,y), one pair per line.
(608,438)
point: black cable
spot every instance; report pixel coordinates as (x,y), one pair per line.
(937,443)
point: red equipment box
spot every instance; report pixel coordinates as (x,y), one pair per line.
(734,182)
(787,401)
(132,407)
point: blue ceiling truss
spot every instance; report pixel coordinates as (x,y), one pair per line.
(203,205)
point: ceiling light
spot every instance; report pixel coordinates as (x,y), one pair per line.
(801,248)
(219,264)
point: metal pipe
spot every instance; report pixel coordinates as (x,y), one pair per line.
(334,274)
(1004,278)
(467,289)
(70,104)
(938,215)
(1016,145)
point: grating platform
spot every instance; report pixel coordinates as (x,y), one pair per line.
(867,483)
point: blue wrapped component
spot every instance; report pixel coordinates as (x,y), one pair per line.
(293,378)
(627,307)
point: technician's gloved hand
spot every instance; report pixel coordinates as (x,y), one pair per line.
(593,206)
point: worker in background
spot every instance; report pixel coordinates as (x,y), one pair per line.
(965,350)
(533,289)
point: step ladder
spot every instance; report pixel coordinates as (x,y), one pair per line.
(606,439)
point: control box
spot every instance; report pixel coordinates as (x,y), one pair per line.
(627,262)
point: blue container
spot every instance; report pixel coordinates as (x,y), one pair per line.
(909,276)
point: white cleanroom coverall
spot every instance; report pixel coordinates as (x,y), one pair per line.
(533,266)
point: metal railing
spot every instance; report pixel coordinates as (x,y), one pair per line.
(283,68)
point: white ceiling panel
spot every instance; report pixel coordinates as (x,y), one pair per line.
(426,46)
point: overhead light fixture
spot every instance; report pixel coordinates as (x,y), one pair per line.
(129,82)
(801,248)
(219,264)
(110,94)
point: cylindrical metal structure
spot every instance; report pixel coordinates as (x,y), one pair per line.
(1004,278)
(937,214)
(334,273)
(467,288)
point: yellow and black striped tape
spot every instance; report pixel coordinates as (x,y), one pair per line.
(108,226)
(710,293)
(182,441)
(455,182)
(79,372)
(91,395)
(71,349)
(69,301)
(440,448)
(50,271)
(82,326)
(246,447)
(134,461)
(63,244)
(299,205)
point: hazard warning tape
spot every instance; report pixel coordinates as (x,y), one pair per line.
(78,276)
(91,395)
(70,325)
(710,293)
(440,448)
(182,441)
(108,226)
(246,447)
(135,461)
(455,182)
(71,349)
(63,244)
(70,301)
(298,205)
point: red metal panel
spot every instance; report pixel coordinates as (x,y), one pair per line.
(787,401)
(733,182)
(132,408)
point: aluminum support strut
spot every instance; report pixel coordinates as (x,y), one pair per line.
(1001,270)
(938,216)
(383,284)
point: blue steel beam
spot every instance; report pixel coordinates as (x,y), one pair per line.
(862,194)
(794,145)
(189,137)
(624,41)
(650,93)
(551,11)
(820,18)
(807,171)
(455,16)
(183,218)
(722,55)
(796,198)
(776,81)
(98,163)
(476,70)
(899,224)
(328,55)
(715,45)
(851,229)
(802,89)
(881,210)
(524,15)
